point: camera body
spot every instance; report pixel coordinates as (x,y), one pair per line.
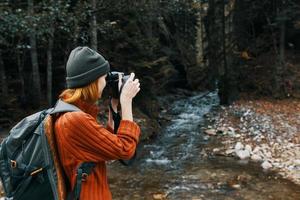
(112,81)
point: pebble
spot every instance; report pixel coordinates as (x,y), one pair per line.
(231,131)
(236,186)
(159,196)
(256,149)
(260,138)
(229,151)
(238,146)
(248,147)
(243,154)
(266,165)
(215,150)
(256,158)
(297,162)
(210,132)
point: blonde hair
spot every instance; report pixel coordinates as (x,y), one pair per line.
(87,93)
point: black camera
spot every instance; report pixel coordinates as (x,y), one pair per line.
(112,81)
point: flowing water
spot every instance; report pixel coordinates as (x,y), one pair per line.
(171,166)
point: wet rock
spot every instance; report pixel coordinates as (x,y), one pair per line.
(237,181)
(159,196)
(266,165)
(196,198)
(243,154)
(213,175)
(297,162)
(229,151)
(248,148)
(239,146)
(256,158)
(236,186)
(210,132)
(231,131)
(270,129)
(256,149)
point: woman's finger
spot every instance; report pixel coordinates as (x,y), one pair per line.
(131,77)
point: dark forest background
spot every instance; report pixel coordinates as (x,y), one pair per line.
(243,48)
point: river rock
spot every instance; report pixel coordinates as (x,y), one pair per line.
(210,132)
(159,196)
(256,149)
(216,150)
(236,186)
(256,158)
(243,154)
(239,146)
(248,147)
(229,151)
(231,131)
(297,162)
(266,165)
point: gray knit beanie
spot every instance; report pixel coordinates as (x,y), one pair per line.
(85,66)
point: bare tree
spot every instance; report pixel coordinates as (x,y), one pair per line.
(34,60)
(93,25)
(280,66)
(20,63)
(49,65)
(3,77)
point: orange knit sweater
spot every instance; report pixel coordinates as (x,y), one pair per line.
(80,138)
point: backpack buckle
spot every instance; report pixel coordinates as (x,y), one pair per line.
(13,163)
(84,176)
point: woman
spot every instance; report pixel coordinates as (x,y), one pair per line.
(79,137)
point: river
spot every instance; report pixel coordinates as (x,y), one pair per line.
(172,167)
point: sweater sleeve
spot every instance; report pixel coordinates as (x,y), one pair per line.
(93,142)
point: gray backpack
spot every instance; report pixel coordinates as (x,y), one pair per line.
(27,160)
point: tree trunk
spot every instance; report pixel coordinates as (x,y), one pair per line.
(21,73)
(280,67)
(93,25)
(224,91)
(212,42)
(36,90)
(4,88)
(49,68)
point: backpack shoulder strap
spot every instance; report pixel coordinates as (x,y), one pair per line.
(85,168)
(62,106)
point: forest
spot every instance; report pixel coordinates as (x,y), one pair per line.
(246,52)
(197,45)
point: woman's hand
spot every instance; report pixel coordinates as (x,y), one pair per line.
(129,90)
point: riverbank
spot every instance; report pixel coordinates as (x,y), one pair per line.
(265,131)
